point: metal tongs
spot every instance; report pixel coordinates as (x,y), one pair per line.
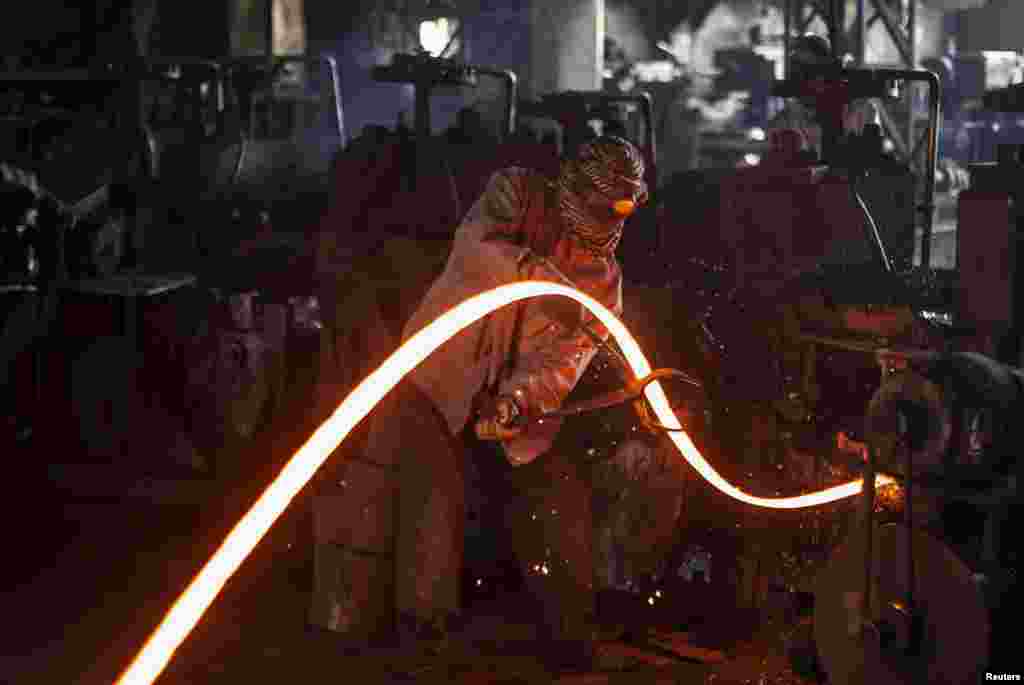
(633,392)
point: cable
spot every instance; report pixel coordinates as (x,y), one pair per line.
(874,236)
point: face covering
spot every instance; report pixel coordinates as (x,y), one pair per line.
(598,190)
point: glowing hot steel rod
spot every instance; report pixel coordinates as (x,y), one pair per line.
(243,538)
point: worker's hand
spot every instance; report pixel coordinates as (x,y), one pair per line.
(499,419)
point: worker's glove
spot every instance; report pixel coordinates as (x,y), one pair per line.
(500,418)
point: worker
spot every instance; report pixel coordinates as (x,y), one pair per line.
(470,398)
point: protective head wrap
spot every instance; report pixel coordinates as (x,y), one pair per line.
(598,188)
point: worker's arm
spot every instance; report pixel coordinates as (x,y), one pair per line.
(558,349)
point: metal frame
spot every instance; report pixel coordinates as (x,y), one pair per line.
(231,67)
(798,15)
(426,73)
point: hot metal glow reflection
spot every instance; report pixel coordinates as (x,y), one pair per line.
(243,538)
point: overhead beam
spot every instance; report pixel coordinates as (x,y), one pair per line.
(907,144)
(896,33)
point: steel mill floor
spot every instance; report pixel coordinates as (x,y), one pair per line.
(78,614)
(88,575)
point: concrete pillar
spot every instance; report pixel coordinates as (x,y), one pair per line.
(288,27)
(566,46)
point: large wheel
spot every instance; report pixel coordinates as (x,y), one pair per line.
(954,645)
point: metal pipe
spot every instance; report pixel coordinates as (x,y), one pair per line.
(911,63)
(934,122)
(868,501)
(836,26)
(912,32)
(422,106)
(787,18)
(861,33)
(339,111)
(268,26)
(648,109)
(931,161)
(908,517)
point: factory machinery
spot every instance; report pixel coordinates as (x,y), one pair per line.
(895,603)
(161,252)
(787,296)
(874,365)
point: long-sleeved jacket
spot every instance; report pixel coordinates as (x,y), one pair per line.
(534,349)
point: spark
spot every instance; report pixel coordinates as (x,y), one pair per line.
(190,606)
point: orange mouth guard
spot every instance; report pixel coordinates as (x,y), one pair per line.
(624,207)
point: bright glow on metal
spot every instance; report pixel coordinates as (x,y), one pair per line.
(624,207)
(243,538)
